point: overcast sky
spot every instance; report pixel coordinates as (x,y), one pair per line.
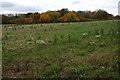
(21,6)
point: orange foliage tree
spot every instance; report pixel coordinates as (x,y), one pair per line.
(20,20)
(35,17)
(28,20)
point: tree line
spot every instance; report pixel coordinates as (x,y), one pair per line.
(63,15)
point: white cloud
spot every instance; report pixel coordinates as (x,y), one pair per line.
(110,6)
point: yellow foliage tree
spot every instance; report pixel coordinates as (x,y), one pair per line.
(44,17)
(69,17)
(54,15)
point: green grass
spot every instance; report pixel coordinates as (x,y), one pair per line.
(81,50)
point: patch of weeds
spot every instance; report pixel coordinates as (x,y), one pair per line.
(62,24)
(89,32)
(102,45)
(39,37)
(82,53)
(69,38)
(41,25)
(45,30)
(102,31)
(77,42)
(47,63)
(74,70)
(50,41)
(80,71)
(55,75)
(50,27)
(96,31)
(55,38)
(99,72)
(54,70)
(61,37)
(6,37)
(13,28)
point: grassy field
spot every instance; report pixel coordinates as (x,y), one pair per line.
(61,50)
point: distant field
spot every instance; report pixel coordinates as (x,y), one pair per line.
(61,50)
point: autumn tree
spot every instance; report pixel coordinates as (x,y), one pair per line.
(54,15)
(63,11)
(94,14)
(20,20)
(35,17)
(28,20)
(69,17)
(45,18)
(28,15)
